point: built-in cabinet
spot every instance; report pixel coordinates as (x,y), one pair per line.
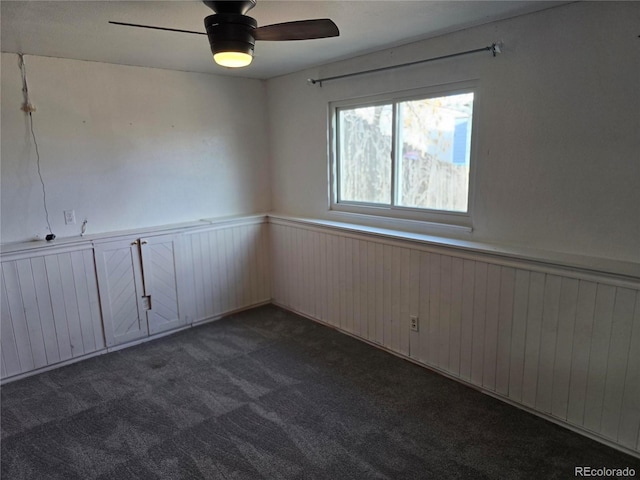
(139,287)
(119,272)
(61,302)
(163,282)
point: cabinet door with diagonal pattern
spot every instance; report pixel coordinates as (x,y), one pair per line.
(121,292)
(160,262)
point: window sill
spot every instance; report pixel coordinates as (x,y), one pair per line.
(628,273)
(401,224)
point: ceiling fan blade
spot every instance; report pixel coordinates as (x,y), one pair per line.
(299,30)
(157,28)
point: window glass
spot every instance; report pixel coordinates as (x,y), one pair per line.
(434,139)
(364,150)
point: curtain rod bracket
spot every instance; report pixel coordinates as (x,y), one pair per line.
(494,48)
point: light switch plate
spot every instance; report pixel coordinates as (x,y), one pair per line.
(69,217)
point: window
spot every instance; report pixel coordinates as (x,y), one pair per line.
(407,157)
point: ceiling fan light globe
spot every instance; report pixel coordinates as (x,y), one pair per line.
(232,59)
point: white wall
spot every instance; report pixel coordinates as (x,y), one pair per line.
(129,147)
(558,166)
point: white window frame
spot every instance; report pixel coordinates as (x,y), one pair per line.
(400,214)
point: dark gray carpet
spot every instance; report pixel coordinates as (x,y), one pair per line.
(268,394)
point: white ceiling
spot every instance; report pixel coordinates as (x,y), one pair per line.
(80,30)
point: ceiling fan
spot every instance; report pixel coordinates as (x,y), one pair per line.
(232,33)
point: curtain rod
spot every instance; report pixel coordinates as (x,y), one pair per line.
(494,48)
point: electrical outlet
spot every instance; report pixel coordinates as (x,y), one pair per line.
(69,217)
(413,322)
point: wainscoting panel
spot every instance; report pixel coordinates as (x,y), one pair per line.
(225,268)
(50,310)
(558,341)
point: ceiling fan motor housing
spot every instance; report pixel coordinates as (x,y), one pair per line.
(231,32)
(226,6)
